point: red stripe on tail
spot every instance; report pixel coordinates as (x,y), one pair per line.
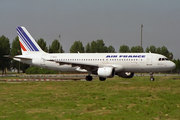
(22,47)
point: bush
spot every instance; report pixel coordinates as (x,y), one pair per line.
(37,70)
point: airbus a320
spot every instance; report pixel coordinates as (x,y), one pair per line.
(105,65)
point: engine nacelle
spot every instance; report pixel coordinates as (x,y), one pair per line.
(106,72)
(126,74)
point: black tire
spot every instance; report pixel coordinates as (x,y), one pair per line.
(151,79)
(102,79)
(89,78)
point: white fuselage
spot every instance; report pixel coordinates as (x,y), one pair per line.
(127,62)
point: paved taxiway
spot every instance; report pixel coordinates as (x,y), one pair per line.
(60,77)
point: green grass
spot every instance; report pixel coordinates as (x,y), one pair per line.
(115,99)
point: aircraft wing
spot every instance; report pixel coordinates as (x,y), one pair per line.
(18,57)
(87,66)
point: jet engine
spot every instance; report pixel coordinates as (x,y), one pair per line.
(106,72)
(125,74)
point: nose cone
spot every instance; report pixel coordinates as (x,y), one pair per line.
(171,65)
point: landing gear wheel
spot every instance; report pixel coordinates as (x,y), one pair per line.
(102,79)
(151,76)
(151,79)
(89,78)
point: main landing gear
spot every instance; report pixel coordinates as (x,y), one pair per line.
(151,76)
(89,78)
(102,79)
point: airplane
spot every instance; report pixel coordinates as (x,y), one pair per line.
(105,65)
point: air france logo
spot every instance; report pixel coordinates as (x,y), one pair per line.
(126,56)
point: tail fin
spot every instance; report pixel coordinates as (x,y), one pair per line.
(27,42)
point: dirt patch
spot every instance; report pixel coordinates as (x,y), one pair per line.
(38,110)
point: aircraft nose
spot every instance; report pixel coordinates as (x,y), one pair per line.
(172,65)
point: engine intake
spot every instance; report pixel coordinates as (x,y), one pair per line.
(106,72)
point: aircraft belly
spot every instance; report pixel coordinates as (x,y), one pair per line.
(133,67)
(26,61)
(66,68)
(56,66)
(138,67)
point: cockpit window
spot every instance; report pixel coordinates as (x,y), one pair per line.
(163,59)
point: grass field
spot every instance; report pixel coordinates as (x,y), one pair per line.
(114,99)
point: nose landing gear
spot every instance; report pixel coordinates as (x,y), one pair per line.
(151,76)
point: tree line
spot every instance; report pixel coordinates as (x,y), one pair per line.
(97,46)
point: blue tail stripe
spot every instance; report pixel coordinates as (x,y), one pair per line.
(28,39)
(23,34)
(24,40)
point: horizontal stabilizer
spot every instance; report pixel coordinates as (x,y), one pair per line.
(19,57)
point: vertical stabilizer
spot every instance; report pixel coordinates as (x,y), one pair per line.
(27,42)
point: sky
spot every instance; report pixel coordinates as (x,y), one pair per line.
(116,22)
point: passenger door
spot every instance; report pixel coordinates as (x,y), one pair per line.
(149,59)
